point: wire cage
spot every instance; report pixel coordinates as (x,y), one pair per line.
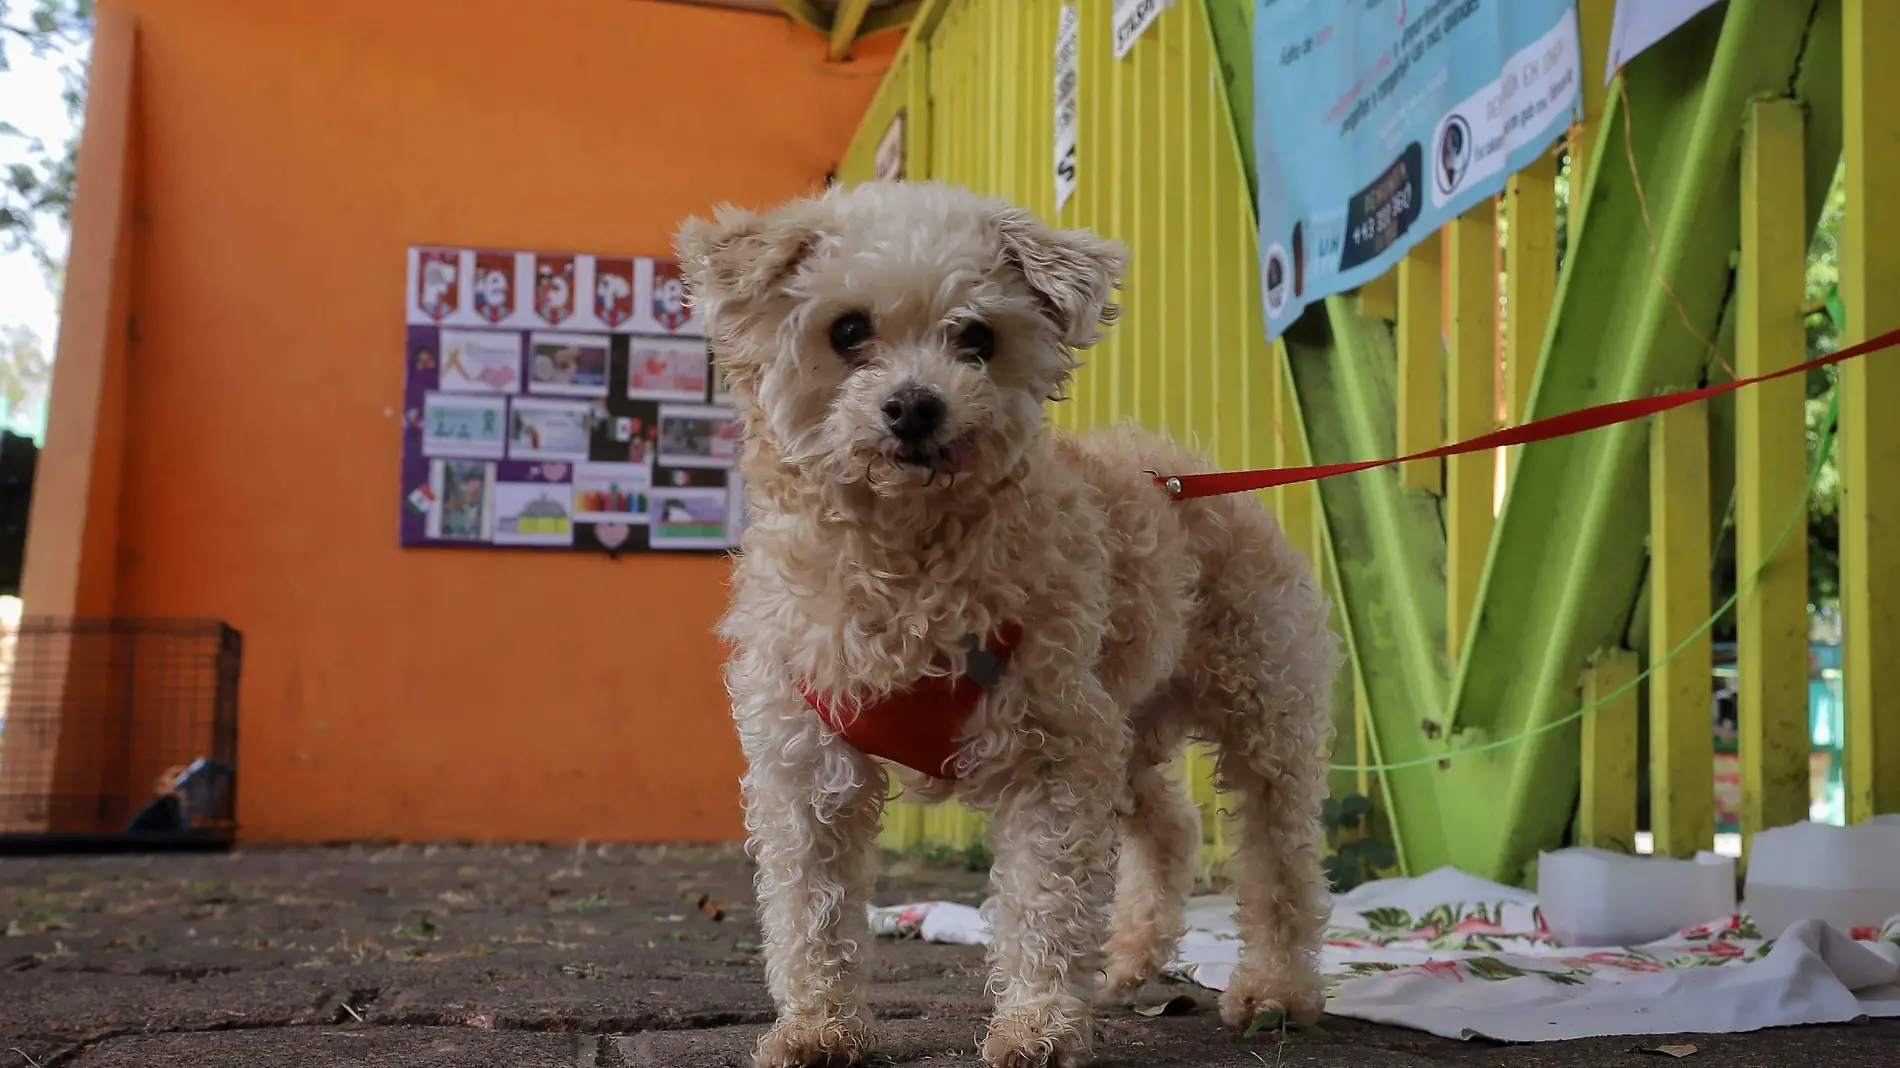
(118,734)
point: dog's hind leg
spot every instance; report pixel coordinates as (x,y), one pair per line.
(1284,901)
(1262,662)
(1160,832)
(813,806)
(1270,695)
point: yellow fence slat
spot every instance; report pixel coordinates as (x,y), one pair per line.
(1594,18)
(1471,245)
(1297,505)
(1379,298)
(1606,811)
(903,828)
(1870,395)
(1682,745)
(1771,472)
(1421,355)
(1202,361)
(1530,277)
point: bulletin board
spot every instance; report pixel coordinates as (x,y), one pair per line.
(562,402)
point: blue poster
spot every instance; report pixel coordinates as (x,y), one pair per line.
(1377,122)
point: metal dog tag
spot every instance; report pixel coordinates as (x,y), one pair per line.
(985,668)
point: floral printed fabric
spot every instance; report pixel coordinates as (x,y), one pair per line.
(1462,957)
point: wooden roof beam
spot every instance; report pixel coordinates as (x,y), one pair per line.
(851,21)
(891,17)
(805,13)
(845,22)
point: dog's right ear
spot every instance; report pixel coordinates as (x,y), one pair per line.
(740,256)
(1074,273)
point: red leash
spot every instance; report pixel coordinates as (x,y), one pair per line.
(1215,483)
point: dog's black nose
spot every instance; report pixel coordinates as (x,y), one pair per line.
(914,413)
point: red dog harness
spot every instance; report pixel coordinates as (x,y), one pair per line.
(921,725)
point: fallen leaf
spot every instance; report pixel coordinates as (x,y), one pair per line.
(1178,1005)
(714,910)
(596,900)
(1264,1021)
(1677,1052)
(423,930)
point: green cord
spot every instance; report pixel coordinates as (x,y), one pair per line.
(1814,474)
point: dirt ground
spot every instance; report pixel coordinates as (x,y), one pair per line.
(535,958)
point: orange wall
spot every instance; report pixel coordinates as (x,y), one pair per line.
(291,150)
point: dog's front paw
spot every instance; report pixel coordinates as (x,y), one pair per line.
(1132,962)
(815,1042)
(1056,1037)
(1252,994)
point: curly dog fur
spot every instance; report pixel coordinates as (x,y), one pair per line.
(875,548)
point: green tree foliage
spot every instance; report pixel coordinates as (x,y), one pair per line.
(41,186)
(25,371)
(1358,855)
(1824,274)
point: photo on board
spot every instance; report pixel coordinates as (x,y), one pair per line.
(690,519)
(697,436)
(481,361)
(612,492)
(666,368)
(613,290)
(735,509)
(554,288)
(436,280)
(462,490)
(548,430)
(465,426)
(533,513)
(495,285)
(667,309)
(573,365)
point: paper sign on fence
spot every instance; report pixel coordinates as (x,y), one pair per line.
(1132,19)
(1068,44)
(1641,23)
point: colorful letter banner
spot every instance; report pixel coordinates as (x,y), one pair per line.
(1377,122)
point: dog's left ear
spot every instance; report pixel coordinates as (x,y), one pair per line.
(740,257)
(1074,272)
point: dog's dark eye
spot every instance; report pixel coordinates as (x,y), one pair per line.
(849,332)
(976,342)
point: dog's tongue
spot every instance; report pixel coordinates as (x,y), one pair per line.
(951,456)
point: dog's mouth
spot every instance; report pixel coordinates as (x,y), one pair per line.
(946,458)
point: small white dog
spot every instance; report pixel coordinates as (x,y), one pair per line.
(932,575)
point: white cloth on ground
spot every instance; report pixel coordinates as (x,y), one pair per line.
(1463,957)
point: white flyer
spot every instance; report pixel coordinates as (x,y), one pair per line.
(1068,73)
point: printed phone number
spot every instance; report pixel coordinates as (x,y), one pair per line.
(1386,217)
